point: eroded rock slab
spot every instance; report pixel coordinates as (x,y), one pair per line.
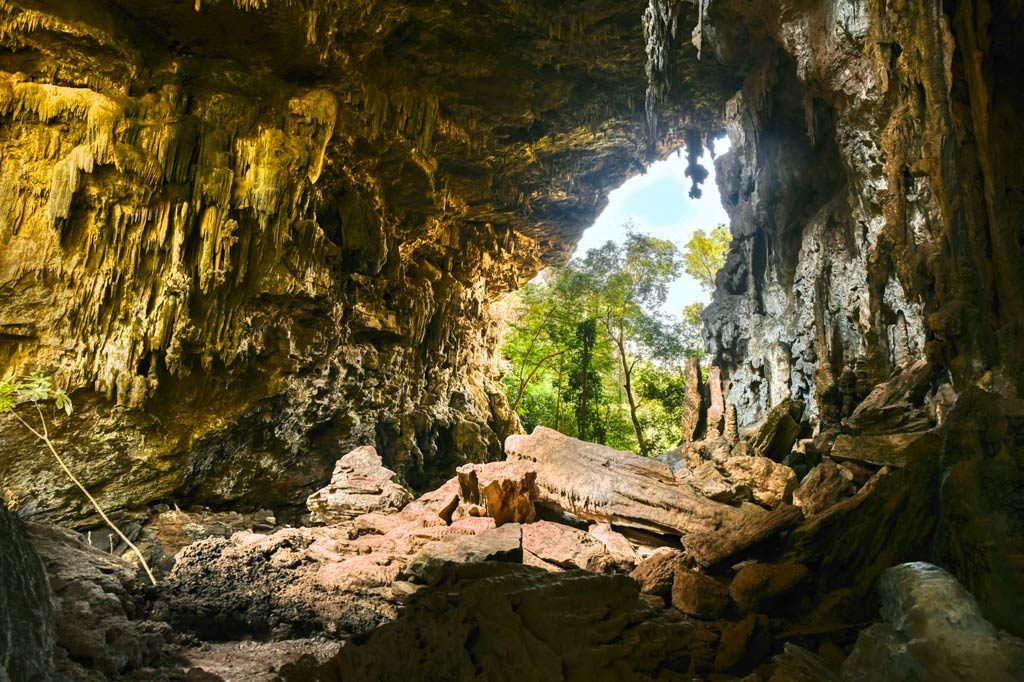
(599,483)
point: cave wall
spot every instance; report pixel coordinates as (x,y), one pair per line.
(874,198)
(249,236)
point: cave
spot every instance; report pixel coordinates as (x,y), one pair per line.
(248,255)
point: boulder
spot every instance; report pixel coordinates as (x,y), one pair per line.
(757,586)
(710,548)
(826,484)
(770,483)
(775,436)
(568,547)
(598,483)
(696,594)
(622,556)
(496,544)
(505,491)
(796,664)
(656,573)
(508,622)
(899,404)
(743,643)
(893,450)
(360,484)
(933,629)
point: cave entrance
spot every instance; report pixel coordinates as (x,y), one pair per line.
(596,349)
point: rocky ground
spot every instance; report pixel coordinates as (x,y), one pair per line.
(755,556)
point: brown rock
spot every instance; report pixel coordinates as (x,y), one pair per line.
(696,594)
(567,547)
(825,485)
(757,585)
(656,573)
(497,544)
(598,483)
(770,483)
(505,491)
(894,450)
(693,402)
(621,552)
(743,644)
(713,484)
(716,404)
(710,548)
(360,484)
(898,405)
(732,433)
(778,431)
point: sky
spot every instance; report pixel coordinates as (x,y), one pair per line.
(659,204)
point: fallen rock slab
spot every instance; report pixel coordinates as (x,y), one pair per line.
(777,433)
(595,482)
(696,594)
(498,544)
(893,450)
(757,585)
(360,484)
(505,491)
(710,548)
(567,547)
(656,573)
(825,485)
(770,483)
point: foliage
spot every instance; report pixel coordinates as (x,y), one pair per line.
(591,355)
(704,255)
(36,389)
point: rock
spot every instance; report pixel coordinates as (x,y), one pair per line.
(508,622)
(99,607)
(756,586)
(894,450)
(656,573)
(778,431)
(826,484)
(601,484)
(713,484)
(360,484)
(567,547)
(693,402)
(897,405)
(498,544)
(933,630)
(795,664)
(250,661)
(26,606)
(336,580)
(770,483)
(622,557)
(505,491)
(743,643)
(695,594)
(716,404)
(731,433)
(710,548)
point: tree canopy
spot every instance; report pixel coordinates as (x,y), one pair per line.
(705,254)
(591,354)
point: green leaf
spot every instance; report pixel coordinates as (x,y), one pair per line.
(35,388)
(62,401)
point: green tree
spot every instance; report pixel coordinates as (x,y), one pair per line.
(705,254)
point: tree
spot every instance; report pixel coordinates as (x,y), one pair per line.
(704,255)
(35,390)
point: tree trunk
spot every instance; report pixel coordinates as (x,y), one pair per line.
(627,384)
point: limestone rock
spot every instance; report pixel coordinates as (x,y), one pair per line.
(595,482)
(696,594)
(716,416)
(743,643)
(796,664)
(897,405)
(894,450)
(360,484)
(26,606)
(693,402)
(933,629)
(505,491)
(497,544)
(775,436)
(492,621)
(731,432)
(756,585)
(656,573)
(621,554)
(770,483)
(710,548)
(825,485)
(567,547)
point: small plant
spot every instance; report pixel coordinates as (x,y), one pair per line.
(38,389)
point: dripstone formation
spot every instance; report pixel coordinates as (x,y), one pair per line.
(257,242)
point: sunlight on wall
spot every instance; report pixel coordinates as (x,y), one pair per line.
(658,204)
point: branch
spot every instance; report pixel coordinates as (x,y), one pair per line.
(523,384)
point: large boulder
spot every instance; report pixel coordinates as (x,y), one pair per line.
(825,485)
(599,483)
(696,594)
(507,622)
(505,491)
(775,436)
(770,483)
(757,586)
(568,548)
(360,484)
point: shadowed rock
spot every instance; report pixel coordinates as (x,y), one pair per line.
(360,484)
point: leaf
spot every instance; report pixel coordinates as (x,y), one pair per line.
(62,401)
(35,388)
